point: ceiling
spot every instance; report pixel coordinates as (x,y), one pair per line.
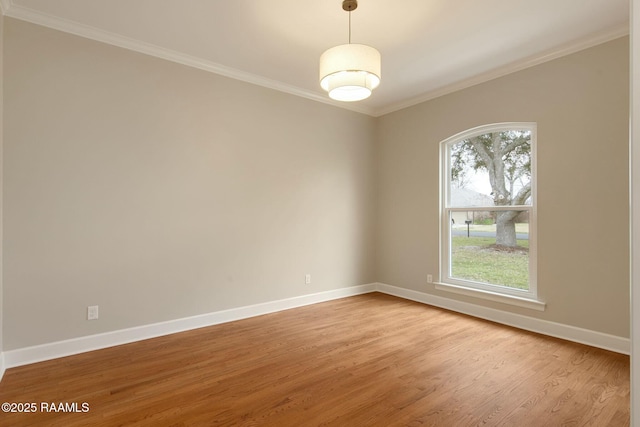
(428,47)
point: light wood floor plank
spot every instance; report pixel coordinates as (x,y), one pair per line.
(370,360)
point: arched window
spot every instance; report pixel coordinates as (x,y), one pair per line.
(488,211)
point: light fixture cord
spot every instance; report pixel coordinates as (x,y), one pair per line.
(349,26)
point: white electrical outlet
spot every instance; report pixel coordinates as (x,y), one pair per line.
(92,312)
(429,278)
(307,279)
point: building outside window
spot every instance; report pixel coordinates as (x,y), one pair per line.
(488,210)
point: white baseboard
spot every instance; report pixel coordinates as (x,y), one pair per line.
(2,368)
(558,330)
(39,353)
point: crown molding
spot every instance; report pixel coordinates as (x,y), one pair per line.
(531,61)
(56,23)
(5,5)
(89,32)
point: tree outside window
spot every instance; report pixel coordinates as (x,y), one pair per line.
(488,209)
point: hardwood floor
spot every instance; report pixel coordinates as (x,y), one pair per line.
(370,360)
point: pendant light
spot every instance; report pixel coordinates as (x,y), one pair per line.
(350,72)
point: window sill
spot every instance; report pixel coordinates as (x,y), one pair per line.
(493,296)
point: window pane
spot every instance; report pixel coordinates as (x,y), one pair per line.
(477,254)
(493,169)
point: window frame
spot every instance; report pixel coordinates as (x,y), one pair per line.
(469,287)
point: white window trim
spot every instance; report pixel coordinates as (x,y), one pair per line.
(532,304)
(519,297)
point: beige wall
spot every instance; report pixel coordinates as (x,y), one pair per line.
(580,103)
(157,191)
